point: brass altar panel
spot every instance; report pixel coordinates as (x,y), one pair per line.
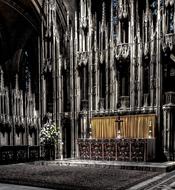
(132,126)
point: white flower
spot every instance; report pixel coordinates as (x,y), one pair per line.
(49,133)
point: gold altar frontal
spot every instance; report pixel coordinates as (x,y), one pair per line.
(131,126)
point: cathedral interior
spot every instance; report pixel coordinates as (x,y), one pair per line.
(102,71)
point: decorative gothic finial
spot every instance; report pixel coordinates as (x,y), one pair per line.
(103,14)
(2,78)
(30,87)
(147,5)
(17,82)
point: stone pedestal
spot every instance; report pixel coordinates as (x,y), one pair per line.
(168,128)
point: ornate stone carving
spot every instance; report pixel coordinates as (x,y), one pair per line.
(117,149)
(83,22)
(170,98)
(168,42)
(101,57)
(169,2)
(47,68)
(146,49)
(122,51)
(123,10)
(83,59)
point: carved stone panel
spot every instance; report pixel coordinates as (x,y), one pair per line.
(96,150)
(123,150)
(137,150)
(84,149)
(109,149)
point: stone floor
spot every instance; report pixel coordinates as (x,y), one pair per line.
(4,186)
(74,177)
(145,166)
(165,181)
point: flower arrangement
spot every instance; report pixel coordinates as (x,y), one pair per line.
(49,133)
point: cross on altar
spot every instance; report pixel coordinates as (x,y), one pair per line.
(118,127)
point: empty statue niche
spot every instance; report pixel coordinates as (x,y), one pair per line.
(32,135)
(83,74)
(146,81)
(19,137)
(49,92)
(168,72)
(66,90)
(5,133)
(124,33)
(123,77)
(102,83)
(66,133)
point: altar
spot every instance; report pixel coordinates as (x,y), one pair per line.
(128,138)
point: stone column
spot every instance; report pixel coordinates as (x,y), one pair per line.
(58,95)
(106,67)
(85,82)
(132,59)
(77,85)
(89,50)
(168,132)
(40,100)
(159,75)
(140,71)
(53,58)
(72,86)
(112,69)
(42,80)
(152,62)
(168,143)
(96,72)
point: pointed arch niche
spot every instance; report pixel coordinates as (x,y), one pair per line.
(123,78)
(83,75)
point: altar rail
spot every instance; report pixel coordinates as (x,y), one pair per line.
(138,150)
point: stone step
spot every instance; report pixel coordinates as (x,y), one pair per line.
(143,166)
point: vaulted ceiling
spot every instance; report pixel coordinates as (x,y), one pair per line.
(18,21)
